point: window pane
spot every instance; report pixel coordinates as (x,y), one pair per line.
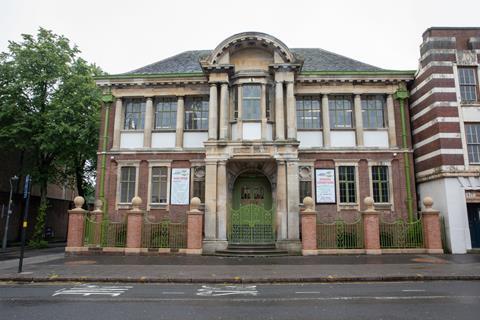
(340,109)
(347,184)
(127,184)
(251,102)
(308,112)
(196,113)
(380,184)
(134,114)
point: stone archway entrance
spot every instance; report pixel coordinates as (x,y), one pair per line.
(251,219)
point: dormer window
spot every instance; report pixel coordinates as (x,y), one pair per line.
(251,96)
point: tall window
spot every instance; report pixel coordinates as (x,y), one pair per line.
(346,183)
(128,177)
(166,113)
(251,102)
(468,84)
(134,114)
(308,112)
(305,187)
(159,184)
(196,113)
(199,183)
(373,111)
(380,184)
(340,109)
(472,130)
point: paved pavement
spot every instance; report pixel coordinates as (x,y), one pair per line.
(379,300)
(54,266)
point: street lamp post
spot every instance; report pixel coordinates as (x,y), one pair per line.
(9,212)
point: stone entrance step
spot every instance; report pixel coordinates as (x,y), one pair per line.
(251,250)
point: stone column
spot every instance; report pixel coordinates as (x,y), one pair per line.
(291,113)
(279,112)
(392,136)
(134,227)
(224,99)
(431,227)
(371,228)
(117,126)
(194,227)
(213,113)
(325,121)
(75,226)
(309,228)
(263,108)
(147,134)
(210,200)
(357,105)
(222,200)
(180,122)
(293,202)
(281,221)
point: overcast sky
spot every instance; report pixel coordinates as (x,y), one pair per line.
(123,35)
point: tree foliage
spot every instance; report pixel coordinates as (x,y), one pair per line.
(49,109)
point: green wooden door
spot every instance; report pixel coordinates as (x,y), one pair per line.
(251,215)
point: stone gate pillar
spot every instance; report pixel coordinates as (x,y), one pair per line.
(431,227)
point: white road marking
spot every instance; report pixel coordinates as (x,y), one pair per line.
(87,290)
(216,291)
(414,290)
(172,292)
(307,292)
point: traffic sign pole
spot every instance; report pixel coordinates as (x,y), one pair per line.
(26,195)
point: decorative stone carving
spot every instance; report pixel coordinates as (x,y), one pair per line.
(466,58)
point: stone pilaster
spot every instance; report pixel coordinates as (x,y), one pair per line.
(392,137)
(213,113)
(224,99)
(180,122)
(281,222)
(117,125)
(210,200)
(293,202)
(147,135)
(325,121)
(222,200)
(291,113)
(279,112)
(357,106)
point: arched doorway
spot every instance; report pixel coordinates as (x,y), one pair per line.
(251,218)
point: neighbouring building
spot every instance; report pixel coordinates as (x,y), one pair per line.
(445,119)
(251,128)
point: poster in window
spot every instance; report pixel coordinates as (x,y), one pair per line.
(180,190)
(325,186)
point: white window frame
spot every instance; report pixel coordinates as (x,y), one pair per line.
(347,205)
(158,163)
(120,165)
(391,195)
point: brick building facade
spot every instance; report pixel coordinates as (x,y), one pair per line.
(251,128)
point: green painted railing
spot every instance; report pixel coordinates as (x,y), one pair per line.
(251,224)
(340,235)
(401,234)
(104,233)
(164,234)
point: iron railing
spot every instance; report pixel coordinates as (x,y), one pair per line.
(104,233)
(251,224)
(340,235)
(401,234)
(164,234)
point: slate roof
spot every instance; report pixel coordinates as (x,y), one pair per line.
(314,60)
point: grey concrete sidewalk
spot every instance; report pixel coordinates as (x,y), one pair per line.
(55,267)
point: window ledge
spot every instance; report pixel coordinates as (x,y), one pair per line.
(163,130)
(348,206)
(383,206)
(124,205)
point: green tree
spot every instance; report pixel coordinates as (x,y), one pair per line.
(49,109)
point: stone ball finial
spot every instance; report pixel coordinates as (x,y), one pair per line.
(308,203)
(98,205)
(78,201)
(136,203)
(369,202)
(195,203)
(428,203)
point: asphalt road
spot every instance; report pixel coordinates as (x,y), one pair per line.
(382,300)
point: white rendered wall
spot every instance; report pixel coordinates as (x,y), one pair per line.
(163,140)
(194,139)
(342,138)
(252,131)
(449,198)
(131,140)
(471,114)
(377,138)
(310,139)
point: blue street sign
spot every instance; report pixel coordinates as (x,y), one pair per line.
(26,188)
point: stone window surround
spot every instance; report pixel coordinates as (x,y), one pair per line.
(391,195)
(193,165)
(347,206)
(311,165)
(126,163)
(158,163)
